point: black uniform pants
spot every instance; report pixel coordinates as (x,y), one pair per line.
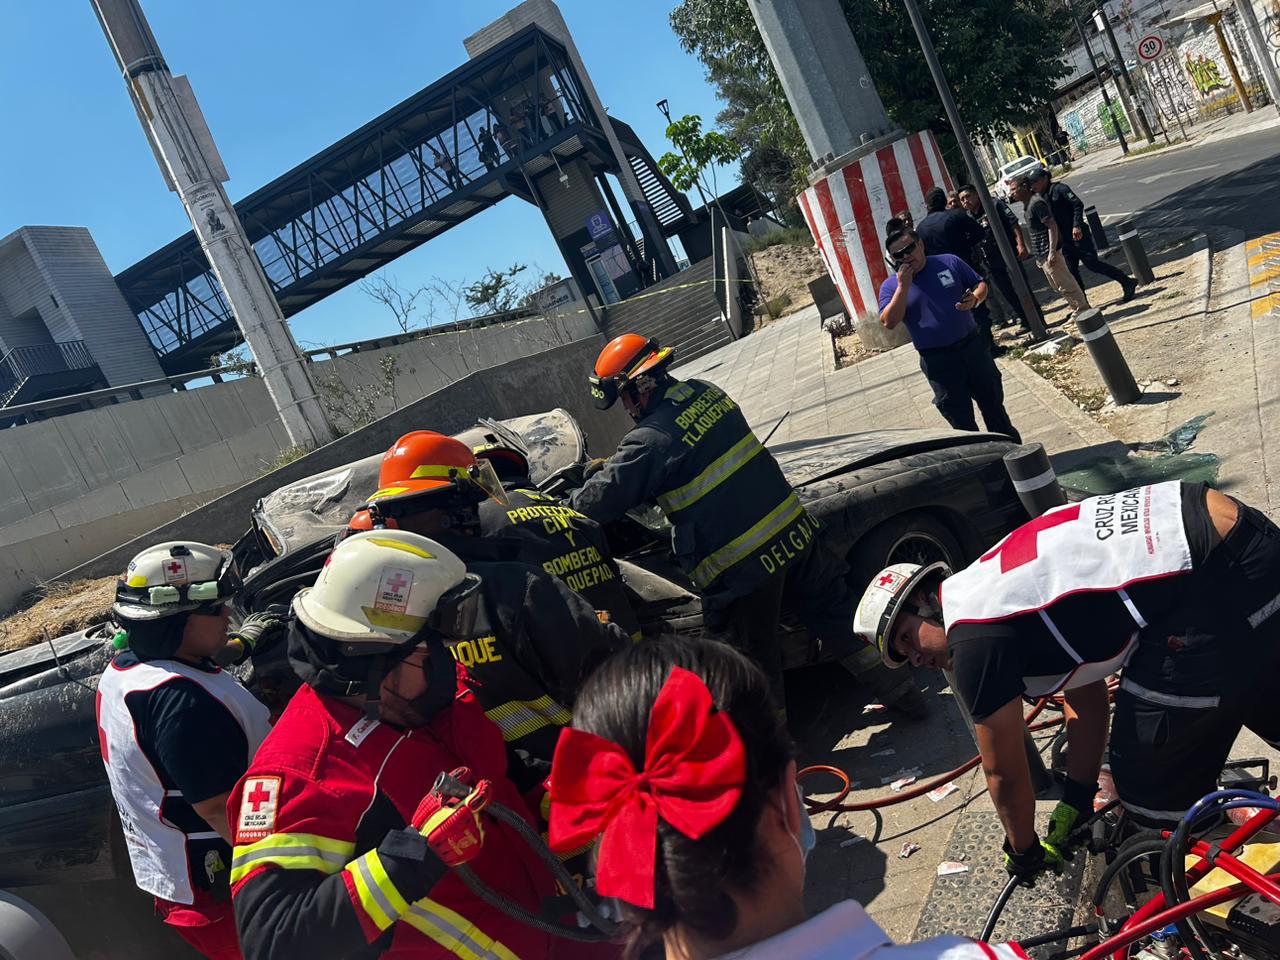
(964,374)
(1004,283)
(1196,681)
(750,623)
(1084,253)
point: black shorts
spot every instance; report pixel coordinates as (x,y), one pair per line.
(1200,675)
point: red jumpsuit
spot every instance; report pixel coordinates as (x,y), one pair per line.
(323,865)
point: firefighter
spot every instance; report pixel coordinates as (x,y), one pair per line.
(176,732)
(552,536)
(738,529)
(1175,582)
(539,637)
(341,846)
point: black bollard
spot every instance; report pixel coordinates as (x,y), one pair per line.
(1134,252)
(1033,478)
(1096,228)
(1106,355)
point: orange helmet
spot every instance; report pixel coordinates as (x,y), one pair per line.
(425,463)
(622,362)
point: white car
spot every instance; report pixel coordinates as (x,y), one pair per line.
(1010,170)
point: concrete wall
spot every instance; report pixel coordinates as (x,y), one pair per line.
(528,385)
(80,484)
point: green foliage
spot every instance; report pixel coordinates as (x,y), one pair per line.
(1002,58)
(698,151)
(352,407)
(497,291)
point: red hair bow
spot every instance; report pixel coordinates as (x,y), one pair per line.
(694,765)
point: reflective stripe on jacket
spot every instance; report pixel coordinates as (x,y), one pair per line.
(735,519)
(323,865)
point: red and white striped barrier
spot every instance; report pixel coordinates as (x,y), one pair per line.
(847,209)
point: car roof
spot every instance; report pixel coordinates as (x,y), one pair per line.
(1019,162)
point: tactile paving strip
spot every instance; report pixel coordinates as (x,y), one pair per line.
(959,904)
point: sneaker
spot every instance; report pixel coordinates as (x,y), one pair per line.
(1129,289)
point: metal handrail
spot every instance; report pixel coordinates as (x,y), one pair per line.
(38,358)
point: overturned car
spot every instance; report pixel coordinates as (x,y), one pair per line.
(881,496)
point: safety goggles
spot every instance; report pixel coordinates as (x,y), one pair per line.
(905,252)
(458,610)
(604,391)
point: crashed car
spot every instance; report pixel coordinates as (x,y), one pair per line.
(883,497)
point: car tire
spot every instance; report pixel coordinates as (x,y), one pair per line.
(914,537)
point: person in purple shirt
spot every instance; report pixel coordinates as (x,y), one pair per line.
(934,297)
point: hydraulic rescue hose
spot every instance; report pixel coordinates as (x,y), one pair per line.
(604,928)
(837,803)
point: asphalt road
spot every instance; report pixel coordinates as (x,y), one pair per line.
(1230,183)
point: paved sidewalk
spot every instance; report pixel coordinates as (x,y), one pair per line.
(789,367)
(1224,128)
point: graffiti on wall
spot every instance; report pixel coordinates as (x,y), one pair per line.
(1204,74)
(1074,126)
(1110,118)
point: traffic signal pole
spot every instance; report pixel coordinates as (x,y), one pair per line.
(1030,308)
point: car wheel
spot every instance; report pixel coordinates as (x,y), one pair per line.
(910,538)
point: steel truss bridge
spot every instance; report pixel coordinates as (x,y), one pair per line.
(456,148)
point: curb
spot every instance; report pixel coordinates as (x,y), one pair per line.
(1089,430)
(1197,139)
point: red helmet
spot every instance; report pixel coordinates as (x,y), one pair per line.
(424,464)
(622,362)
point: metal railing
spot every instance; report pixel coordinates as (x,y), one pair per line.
(22,363)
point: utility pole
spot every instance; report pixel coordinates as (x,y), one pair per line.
(1097,74)
(1101,12)
(1030,308)
(1260,51)
(192,168)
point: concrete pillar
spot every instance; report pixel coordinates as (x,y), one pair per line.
(823,74)
(868,169)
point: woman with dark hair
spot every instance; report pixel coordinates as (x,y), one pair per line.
(677,762)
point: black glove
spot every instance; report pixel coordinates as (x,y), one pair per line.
(1027,865)
(259,631)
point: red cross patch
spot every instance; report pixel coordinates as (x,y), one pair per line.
(889,581)
(394,588)
(258,804)
(175,570)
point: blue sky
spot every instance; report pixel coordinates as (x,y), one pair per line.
(279,81)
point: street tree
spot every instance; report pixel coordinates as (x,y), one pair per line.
(1002,57)
(497,291)
(699,153)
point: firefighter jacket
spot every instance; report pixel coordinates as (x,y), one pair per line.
(324,865)
(537,641)
(565,544)
(735,519)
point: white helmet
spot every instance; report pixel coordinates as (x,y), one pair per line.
(884,598)
(380,588)
(174,577)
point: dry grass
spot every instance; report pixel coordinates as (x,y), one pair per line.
(63,608)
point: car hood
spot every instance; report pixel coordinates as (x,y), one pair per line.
(808,461)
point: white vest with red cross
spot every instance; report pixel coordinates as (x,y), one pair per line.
(1105,543)
(157,848)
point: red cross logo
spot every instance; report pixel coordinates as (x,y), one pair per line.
(257,796)
(1021,547)
(175,567)
(887,579)
(397,583)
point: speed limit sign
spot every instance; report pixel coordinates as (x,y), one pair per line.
(1150,47)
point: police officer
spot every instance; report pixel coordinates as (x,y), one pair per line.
(341,846)
(1179,582)
(177,732)
(552,536)
(994,263)
(539,637)
(1077,241)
